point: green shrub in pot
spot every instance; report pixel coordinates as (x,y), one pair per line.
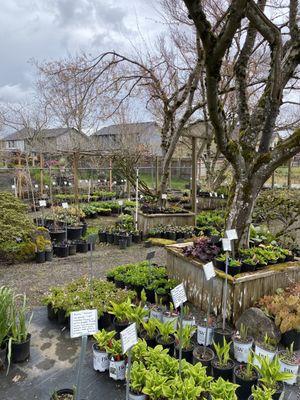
(221,389)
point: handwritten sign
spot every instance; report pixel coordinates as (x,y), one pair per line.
(65,205)
(150,255)
(42,203)
(83,323)
(178,295)
(164,196)
(209,271)
(128,337)
(232,234)
(226,243)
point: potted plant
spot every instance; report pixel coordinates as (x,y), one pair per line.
(61,249)
(63,394)
(270,374)
(72,248)
(289,362)
(246,377)
(121,314)
(186,342)
(171,315)
(82,246)
(137,383)
(205,355)
(248,265)
(261,393)
(154,387)
(201,331)
(188,317)
(48,252)
(156,310)
(242,344)
(117,360)
(138,314)
(222,365)
(100,355)
(220,334)
(265,348)
(166,335)
(234,267)
(222,389)
(150,331)
(6,303)
(219,262)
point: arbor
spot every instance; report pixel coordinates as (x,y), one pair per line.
(246,29)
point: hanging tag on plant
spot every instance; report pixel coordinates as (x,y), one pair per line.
(42,203)
(216,194)
(226,244)
(222,196)
(178,295)
(120,202)
(150,255)
(128,337)
(36,186)
(13,186)
(209,271)
(232,234)
(164,196)
(210,194)
(83,323)
(65,205)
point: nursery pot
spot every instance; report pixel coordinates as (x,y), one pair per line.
(205,355)
(261,351)
(242,349)
(150,295)
(117,238)
(170,318)
(57,236)
(72,249)
(102,237)
(134,396)
(156,313)
(52,315)
(234,270)
(100,359)
(49,255)
(61,251)
(201,330)
(136,238)
(61,316)
(122,243)
(74,232)
(188,321)
(244,390)
(110,238)
(289,366)
(117,370)
(219,264)
(20,351)
(82,247)
(104,321)
(129,240)
(119,284)
(187,354)
(289,337)
(61,392)
(248,267)
(224,372)
(169,345)
(84,228)
(219,334)
(119,326)
(40,257)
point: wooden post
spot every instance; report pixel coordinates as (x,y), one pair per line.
(110,175)
(289,176)
(194,175)
(41,174)
(156,173)
(75,173)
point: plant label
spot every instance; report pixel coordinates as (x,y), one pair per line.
(65,205)
(13,186)
(100,361)
(120,202)
(36,186)
(164,196)
(150,255)
(178,295)
(42,203)
(226,244)
(117,370)
(46,187)
(129,337)
(222,196)
(216,194)
(65,182)
(83,323)
(210,194)
(197,201)
(209,271)
(201,331)
(232,234)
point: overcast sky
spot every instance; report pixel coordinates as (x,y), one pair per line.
(51,29)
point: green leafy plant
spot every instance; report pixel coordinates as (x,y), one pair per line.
(6,304)
(221,389)
(103,339)
(155,385)
(186,336)
(121,311)
(150,327)
(138,374)
(114,349)
(166,330)
(138,314)
(197,372)
(222,352)
(262,393)
(182,389)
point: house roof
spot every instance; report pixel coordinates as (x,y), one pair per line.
(46,133)
(133,128)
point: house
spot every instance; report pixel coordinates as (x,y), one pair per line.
(45,140)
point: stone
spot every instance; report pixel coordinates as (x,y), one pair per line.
(258,324)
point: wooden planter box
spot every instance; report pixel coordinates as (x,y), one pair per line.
(243,290)
(148,221)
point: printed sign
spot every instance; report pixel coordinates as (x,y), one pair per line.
(226,243)
(164,196)
(65,205)
(178,295)
(232,234)
(209,271)
(120,202)
(128,337)
(150,255)
(42,203)
(84,322)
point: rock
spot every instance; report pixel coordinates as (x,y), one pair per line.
(258,324)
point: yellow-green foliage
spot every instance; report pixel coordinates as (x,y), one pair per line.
(160,242)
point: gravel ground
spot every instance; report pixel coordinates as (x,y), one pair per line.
(35,279)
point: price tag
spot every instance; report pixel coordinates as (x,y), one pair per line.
(120,202)
(164,196)
(150,255)
(209,271)
(178,295)
(65,205)
(42,203)
(226,243)
(232,234)
(128,337)
(83,323)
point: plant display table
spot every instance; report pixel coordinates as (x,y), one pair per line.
(148,221)
(243,289)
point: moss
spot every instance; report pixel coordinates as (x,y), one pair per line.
(160,242)
(222,275)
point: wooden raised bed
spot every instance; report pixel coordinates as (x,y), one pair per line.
(148,221)
(243,289)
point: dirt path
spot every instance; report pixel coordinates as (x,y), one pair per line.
(35,279)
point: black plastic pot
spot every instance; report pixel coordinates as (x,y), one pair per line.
(289,337)
(61,392)
(119,284)
(219,264)
(248,267)
(104,321)
(150,294)
(219,334)
(234,270)
(136,238)
(138,289)
(74,232)
(117,238)
(102,237)
(84,228)
(244,390)
(277,394)
(49,255)
(72,249)
(110,238)
(40,257)
(225,373)
(20,352)
(186,354)
(118,327)
(289,258)
(61,317)
(129,240)
(51,313)
(57,236)
(61,251)
(82,247)
(91,246)
(170,346)
(198,356)
(122,243)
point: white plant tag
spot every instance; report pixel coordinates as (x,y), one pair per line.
(65,205)
(84,322)
(178,295)
(164,196)
(129,337)
(209,271)
(120,202)
(42,203)
(226,243)
(232,234)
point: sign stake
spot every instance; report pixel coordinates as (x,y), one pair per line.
(79,368)
(136,198)
(128,374)
(180,338)
(225,292)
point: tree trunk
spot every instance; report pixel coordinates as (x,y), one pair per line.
(241,206)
